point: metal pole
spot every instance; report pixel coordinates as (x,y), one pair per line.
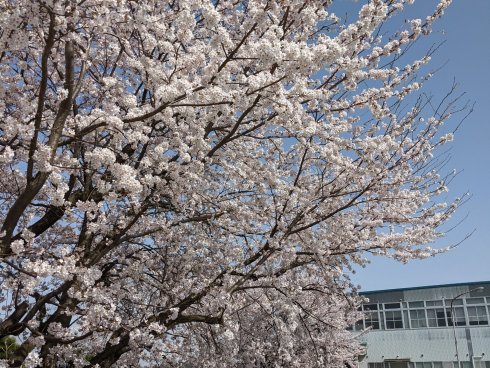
(480,288)
(454,329)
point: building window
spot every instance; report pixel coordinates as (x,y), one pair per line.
(397,364)
(477,315)
(423,365)
(478,362)
(458,318)
(436,317)
(392,305)
(475,300)
(434,303)
(463,365)
(393,319)
(359,325)
(417,318)
(426,314)
(372,319)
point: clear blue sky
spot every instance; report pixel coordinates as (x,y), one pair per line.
(467,53)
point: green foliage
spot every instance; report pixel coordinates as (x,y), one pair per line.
(8,347)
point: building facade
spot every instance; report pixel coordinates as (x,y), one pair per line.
(442,326)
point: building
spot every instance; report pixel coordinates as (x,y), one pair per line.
(426,327)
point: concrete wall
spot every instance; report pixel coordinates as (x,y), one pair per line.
(426,345)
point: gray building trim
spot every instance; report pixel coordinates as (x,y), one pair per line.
(485,284)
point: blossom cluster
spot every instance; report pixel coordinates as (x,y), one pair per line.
(188,182)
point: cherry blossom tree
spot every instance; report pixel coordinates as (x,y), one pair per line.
(187,183)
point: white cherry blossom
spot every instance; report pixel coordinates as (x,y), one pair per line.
(189,183)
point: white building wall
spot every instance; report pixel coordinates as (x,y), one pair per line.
(425,345)
(480,338)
